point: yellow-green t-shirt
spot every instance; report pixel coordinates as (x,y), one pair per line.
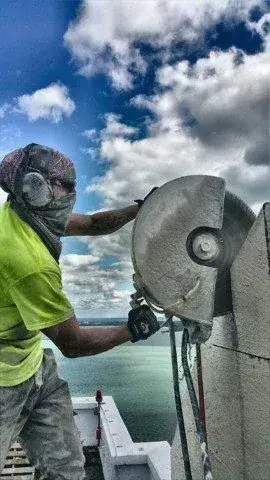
(31,297)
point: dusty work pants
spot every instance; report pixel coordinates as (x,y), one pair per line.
(38,412)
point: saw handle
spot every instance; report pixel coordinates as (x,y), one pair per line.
(142,323)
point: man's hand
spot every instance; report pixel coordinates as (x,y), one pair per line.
(141,202)
(142,323)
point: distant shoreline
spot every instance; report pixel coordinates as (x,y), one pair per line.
(101,322)
(109,323)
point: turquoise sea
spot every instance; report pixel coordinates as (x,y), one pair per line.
(138,376)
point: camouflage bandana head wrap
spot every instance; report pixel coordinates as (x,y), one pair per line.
(49,221)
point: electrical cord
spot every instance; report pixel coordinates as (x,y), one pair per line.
(137,298)
(207,475)
(200,388)
(178,402)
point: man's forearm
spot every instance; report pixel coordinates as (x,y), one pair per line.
(100,223)
(91,341)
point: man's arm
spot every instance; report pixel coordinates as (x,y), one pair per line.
(100,223)
(74,341)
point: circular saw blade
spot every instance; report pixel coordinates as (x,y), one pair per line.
(238,218)
(164,271)
(166,260)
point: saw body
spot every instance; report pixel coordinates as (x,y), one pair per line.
(184,241)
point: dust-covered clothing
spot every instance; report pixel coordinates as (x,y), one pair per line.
(38,413)
(31,297)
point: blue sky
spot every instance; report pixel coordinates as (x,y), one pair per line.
(119,86)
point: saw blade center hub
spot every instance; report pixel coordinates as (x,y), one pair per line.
(205,247)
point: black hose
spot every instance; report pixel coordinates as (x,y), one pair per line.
(195,407)
(178,403)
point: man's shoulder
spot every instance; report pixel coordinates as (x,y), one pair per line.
(22,253)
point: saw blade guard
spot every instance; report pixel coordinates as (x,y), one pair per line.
(184,240)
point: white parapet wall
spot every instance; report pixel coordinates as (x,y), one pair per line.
(121,458)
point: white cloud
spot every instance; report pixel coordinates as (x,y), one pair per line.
(114,128)
(122,297)
(52,103)
(230,111)
(75,260)
(94,289)
(228,103)
(90,134)
(262,27)
(105,35)
(116,244)
(3,196)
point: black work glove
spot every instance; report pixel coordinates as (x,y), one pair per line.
(142,323)
(141,202)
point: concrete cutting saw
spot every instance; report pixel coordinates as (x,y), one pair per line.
(184,241)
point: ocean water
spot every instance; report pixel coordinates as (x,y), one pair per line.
(138,376)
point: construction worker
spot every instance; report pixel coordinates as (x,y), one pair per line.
(35,403)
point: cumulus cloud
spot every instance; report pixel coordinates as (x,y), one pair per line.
(90,134)
(251,184)
(209,117)
(106,36)
(75,260)
(227,102)
(52,103)
(92,288)
(116,244)
(89,285)
(3,196)
(262,27)
(114,128)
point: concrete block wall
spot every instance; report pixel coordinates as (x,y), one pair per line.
(236,370)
